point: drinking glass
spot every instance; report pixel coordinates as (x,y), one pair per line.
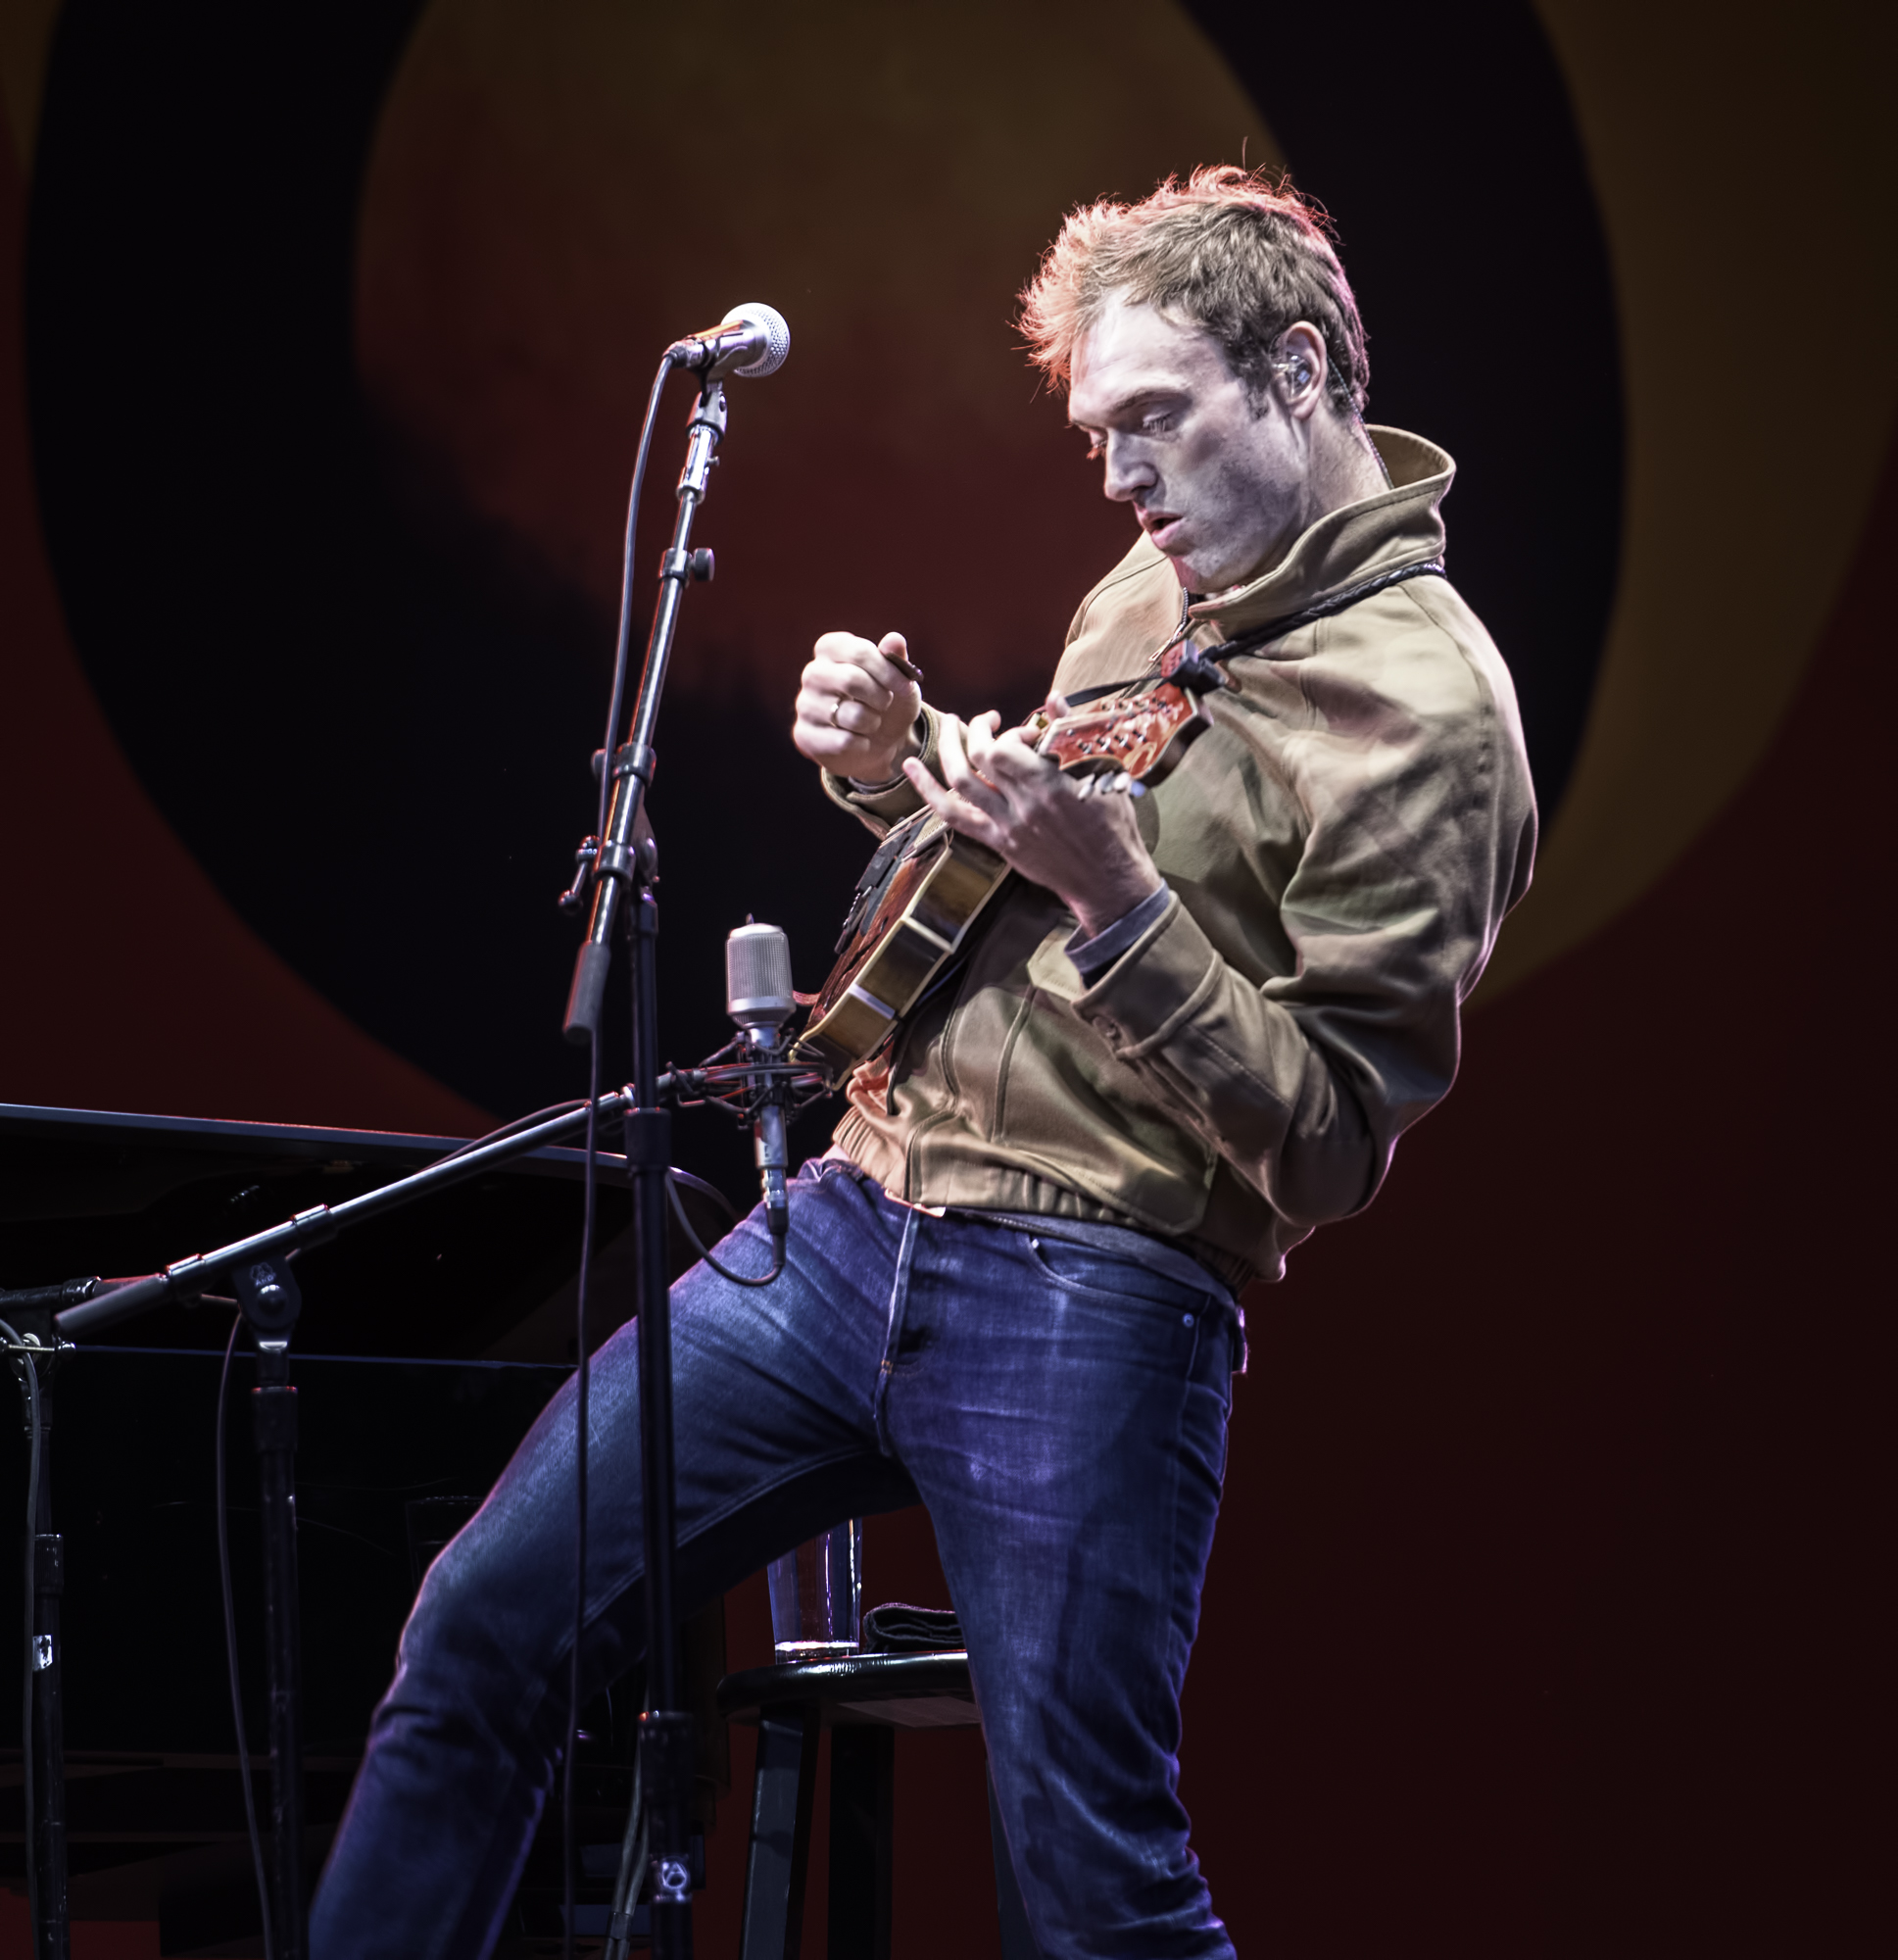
(817,1594)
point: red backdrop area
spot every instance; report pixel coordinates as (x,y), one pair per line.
(1537,1619)
(1541,1617)
(1545,1573)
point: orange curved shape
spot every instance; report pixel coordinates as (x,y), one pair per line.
(555,195)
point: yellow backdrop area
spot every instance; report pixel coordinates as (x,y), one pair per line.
(1745,165)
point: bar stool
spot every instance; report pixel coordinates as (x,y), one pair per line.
(862,1699)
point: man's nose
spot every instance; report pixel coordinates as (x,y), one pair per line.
(1128,470)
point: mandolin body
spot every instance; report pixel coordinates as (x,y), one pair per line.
(920,922)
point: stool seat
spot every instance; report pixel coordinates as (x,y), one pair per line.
(907,1691)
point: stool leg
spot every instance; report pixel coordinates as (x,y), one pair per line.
(863,1804)
(782,1796)
(1017,1942)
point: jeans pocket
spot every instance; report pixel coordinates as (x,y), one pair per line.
(1078,1268)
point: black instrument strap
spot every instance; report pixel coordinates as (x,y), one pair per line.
(1274,629)
(1083,694)
(898,842)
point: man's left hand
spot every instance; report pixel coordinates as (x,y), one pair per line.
(1085,848)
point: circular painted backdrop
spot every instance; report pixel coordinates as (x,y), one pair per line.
(334,399)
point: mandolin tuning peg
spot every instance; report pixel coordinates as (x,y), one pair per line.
(1112,782)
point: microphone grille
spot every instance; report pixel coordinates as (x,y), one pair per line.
(777,336)
(757,977)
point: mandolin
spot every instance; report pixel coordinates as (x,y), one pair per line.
(927,886)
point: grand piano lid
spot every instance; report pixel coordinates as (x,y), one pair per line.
(89,1163)
(482,1269)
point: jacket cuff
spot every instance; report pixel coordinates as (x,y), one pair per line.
(881,808)
(1092,958)
(1160,981)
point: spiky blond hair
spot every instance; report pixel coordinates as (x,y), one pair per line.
(1237,253)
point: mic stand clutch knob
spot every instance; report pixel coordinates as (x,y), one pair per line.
(584,859)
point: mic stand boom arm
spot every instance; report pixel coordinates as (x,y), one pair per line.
(104,1304)
(186,1279)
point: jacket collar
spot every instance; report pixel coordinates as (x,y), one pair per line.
(1397,527)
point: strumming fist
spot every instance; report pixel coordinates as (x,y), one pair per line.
(857,704)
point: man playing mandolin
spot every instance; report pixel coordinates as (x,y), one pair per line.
(1189,1031)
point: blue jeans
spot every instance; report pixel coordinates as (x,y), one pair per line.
(1061,1413)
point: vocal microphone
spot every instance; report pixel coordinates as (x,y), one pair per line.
(752,340)
(758,997)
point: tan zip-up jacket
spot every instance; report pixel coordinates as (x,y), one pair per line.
(1341,845)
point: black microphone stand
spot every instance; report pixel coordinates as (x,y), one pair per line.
(46,1829)
(43,1747)
(271,1302)
(622,872)
(618,869)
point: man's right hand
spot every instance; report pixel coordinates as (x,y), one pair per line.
(857,708)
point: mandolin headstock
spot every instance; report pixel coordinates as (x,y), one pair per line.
(1142,737)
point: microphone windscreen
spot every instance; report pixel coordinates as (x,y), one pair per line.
(777,336)
(757,977)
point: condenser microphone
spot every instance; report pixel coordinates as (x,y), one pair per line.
(758,979)
(752,340)
(759,999)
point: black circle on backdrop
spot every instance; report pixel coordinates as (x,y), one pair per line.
(378,757)
(1443,141)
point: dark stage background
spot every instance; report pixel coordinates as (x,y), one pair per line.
(1534,1620)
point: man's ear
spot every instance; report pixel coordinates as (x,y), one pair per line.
(1301,369)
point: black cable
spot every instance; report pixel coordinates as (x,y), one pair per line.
(27,1690)
(632,1873)
(528,1121)
(704,1190)
(667,1085)
(230,1652)
(571,1850)
(623,650)
(699,1246)
(509,1129)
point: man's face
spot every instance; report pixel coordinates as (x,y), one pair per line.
(1219,489)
